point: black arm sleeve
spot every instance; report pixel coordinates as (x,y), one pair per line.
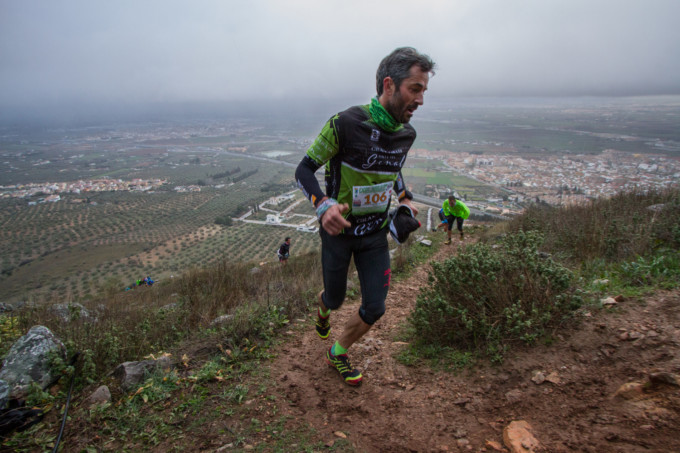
(307,182)
(400,188)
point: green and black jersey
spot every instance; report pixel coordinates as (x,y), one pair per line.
(363,167)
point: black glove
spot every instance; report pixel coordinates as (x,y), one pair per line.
(402,223)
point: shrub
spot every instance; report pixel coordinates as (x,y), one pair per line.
(662,269)
(616,229)
(490,295)
(10,331)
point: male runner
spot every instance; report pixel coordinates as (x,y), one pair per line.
(284,251)
(454,210)
(363,150)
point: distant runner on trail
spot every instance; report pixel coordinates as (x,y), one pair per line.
(454,210)
(284,251)
(363,150)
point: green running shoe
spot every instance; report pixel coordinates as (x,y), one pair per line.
(323,326)
(340,362)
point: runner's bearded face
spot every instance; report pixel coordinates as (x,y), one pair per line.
(409,96)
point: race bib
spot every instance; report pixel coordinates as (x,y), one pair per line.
(371,199)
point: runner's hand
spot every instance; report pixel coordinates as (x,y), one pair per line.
(332,221)
(408,203)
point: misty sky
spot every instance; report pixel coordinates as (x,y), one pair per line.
(216,50)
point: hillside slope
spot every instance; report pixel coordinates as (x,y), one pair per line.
(416,409)
(295,402)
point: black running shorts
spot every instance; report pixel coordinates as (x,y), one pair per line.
(372,260)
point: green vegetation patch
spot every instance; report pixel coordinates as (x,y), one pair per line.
(419,178)
(615,229)
(9,333)
(490,296)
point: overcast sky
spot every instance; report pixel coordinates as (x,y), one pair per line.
(214,50)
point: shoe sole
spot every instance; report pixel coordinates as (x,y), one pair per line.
(354,383)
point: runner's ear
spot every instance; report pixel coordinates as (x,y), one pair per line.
(388,86)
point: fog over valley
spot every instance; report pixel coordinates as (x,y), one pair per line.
(76,59)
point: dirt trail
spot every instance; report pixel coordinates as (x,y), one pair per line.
(415,409)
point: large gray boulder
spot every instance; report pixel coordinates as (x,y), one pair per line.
(28,360)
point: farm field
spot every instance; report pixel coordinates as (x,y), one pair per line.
(420,178)
(72,248)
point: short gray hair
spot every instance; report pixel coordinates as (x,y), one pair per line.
(398,64)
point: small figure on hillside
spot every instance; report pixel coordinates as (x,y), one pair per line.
(284,251)
(363,150)
(454,210)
